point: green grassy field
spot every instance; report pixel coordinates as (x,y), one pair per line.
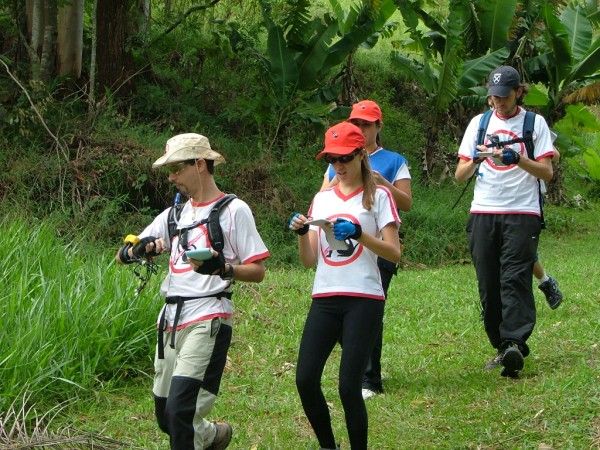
(437,395)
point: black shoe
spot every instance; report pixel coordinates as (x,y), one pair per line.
(509,373)
(552,292)
(512,360)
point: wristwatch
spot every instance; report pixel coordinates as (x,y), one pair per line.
(227,273)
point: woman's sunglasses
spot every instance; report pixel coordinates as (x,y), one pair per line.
(342,159)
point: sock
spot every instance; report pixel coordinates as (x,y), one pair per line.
(544,278)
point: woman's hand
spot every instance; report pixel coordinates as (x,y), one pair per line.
(297,223)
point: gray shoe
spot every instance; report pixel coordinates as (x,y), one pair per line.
(552,292)
(222,438)
(494,363)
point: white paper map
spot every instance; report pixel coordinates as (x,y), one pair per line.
(327,228)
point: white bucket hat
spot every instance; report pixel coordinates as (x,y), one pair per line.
(185,147)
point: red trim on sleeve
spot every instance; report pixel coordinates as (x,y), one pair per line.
(258,257)
(464,158)
(392,204)
(549,154)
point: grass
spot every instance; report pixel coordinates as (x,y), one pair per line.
(437,395)
(70,323)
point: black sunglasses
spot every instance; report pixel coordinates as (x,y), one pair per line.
(342,159)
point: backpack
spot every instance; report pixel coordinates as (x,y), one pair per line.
(215,233)
(528,124)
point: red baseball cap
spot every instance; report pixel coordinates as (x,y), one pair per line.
(342,139)
(366,110)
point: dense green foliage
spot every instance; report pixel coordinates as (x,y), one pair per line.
(262,84)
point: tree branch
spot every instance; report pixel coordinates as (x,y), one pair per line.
(181,19)
(58,143)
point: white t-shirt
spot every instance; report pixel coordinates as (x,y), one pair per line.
(243,245)
(501,189)
(352,272)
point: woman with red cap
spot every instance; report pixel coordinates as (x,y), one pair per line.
(390,169)
(352,224)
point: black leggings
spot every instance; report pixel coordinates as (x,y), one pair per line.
(354,321)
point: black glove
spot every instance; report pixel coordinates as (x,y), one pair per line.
(509,156)
(139,249)
(212,265)
(299,231)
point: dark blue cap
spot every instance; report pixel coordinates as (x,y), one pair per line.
(502,80)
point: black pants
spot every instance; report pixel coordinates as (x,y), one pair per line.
(372,377)
(504,247)
(354,321)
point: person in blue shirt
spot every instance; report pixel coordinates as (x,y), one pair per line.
(390,169)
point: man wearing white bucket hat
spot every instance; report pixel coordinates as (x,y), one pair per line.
(194,326)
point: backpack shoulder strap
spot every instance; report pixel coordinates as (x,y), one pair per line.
(528,124)
(173,218)
(215,233)
(483,124)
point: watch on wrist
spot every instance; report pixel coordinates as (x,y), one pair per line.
(227,272)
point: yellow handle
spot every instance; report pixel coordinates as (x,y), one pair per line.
(131,239)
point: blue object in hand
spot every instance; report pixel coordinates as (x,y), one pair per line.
(509,156)
(344,229)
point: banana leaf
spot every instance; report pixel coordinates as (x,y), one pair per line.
(579,30)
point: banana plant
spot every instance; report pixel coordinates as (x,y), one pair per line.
(565,68)
(568,55)
(451,68)
(304,54)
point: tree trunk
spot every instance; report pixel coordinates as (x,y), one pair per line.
(92,97)
(21,18)
(49,44)
(556,190)
(35,25)
(145,15)
(113,59)
(70,38)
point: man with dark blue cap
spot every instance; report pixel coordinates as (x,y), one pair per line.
(504,223)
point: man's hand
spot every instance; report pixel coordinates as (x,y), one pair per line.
(212,266)
(509,156)
(477,159)
(148,247)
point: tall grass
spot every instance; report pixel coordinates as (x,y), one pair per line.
(69,318)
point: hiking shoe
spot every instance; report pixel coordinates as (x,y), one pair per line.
(223,436)
(552,292)
(512,360)
(494,363)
